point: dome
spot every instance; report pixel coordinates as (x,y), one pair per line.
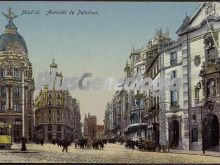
(12,41)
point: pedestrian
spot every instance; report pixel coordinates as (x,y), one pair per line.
(23,142)
(101,144)
(53,141)
(76,143)
(59,142)
(42,142)
(65,144)
(132,144)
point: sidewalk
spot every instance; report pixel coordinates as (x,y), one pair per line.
(191,152)
(187,152)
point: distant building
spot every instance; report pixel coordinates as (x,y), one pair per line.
(100,131)
(90,127)
(57,113)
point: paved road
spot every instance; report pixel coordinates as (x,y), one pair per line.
(112,153)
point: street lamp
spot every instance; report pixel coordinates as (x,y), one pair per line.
(23,148)
(203,147)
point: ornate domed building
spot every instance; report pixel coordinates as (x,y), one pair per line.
(16,82)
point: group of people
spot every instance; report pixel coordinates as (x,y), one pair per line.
(79,143)
(62,143)
(40,141)
(143,145)
(87,143)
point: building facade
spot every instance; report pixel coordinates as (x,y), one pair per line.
(185,114)
(100,131)
(134,70)
(90,127)
(17,83)
(152,98)
(199,36)
(57,113)
(193,58)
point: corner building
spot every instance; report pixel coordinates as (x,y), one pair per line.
(57,113)
(16,81)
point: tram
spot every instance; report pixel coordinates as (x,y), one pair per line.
(5,135)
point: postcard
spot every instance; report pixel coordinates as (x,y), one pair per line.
(109,82)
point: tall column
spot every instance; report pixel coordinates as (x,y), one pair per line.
(162,112)
(23,123)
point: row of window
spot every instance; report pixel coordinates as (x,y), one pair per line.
(16,122)
(50,103)
(58,119)
(210,56)
(16,91)
(16,106)
(50,96)
(15,73)
(173,94)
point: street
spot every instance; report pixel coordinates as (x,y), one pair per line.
(112,153)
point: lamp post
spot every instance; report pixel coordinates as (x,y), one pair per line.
(23,140)
(22,83)
(23,147)
(203,147)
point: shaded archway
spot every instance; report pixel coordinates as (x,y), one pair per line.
(210,131)
(30,130)
(174,134)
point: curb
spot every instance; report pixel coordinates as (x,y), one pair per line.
(23,152)
(194,154)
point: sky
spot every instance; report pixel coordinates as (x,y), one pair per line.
(99,44)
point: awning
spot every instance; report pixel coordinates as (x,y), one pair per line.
(135,125)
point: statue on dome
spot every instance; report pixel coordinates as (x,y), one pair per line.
(10,16)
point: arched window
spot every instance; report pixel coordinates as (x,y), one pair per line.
(3,72)
(16,72)
(194,135)
(15,91)
(3,91)
(16,106)
(3,106)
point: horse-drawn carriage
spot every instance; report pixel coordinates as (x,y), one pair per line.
(147,145)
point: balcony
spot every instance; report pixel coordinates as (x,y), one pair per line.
(173,62)
(137,107)
(174,107)
(173,104)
